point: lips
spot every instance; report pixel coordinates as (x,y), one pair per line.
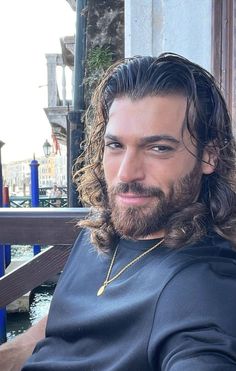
(132,199)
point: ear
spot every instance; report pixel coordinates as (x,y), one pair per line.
(209,160)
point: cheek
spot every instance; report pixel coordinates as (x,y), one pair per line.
(109,169)
(168,172)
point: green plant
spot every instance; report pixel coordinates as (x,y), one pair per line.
(99,58)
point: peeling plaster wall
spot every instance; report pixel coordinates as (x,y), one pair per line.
(185,29)
(181,26)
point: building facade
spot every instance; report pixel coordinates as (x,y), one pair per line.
(52,171)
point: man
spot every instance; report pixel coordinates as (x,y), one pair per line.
(150,284)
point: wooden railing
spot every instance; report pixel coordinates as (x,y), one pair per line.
(55,227)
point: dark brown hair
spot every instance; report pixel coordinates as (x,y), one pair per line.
(209,124)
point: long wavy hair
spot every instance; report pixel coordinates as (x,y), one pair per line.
(208,121)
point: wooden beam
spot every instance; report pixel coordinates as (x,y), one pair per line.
(33,273)
(43,226)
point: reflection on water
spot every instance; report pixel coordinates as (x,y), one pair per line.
(19,322)
(40,303)
(21,253)
(40,298)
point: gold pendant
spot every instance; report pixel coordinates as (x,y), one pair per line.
(101,290)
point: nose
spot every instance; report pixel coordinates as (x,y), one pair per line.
(131,168)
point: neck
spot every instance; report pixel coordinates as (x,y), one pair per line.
(158,234)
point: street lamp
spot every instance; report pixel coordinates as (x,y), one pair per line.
(47,148)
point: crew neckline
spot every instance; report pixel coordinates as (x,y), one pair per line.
(139,244)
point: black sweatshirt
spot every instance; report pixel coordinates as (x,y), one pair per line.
(173,310)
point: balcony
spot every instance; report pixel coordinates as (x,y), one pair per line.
(59,66)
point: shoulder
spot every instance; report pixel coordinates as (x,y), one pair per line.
(201,288)
(196,310)
(83,237)
(81,247)
(209,258)
(206,270)
(202,284)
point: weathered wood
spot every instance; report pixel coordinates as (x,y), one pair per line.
(33,273)
(37,226)
(40,226)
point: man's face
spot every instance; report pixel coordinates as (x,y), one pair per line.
(149,166)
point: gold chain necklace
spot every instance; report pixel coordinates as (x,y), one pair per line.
(109,280)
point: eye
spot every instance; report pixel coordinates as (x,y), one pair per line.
(113,145)
(162,148)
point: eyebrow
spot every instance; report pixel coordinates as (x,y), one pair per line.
(147,140)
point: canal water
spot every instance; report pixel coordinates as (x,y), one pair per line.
(40,299)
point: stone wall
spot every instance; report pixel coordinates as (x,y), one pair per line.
(105,25)
(104,39)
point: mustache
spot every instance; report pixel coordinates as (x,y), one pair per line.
(137,189)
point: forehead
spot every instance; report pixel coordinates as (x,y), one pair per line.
(147,116)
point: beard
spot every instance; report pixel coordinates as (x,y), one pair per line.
(136,222)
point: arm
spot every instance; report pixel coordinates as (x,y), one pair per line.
(14,353)
(195,323)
